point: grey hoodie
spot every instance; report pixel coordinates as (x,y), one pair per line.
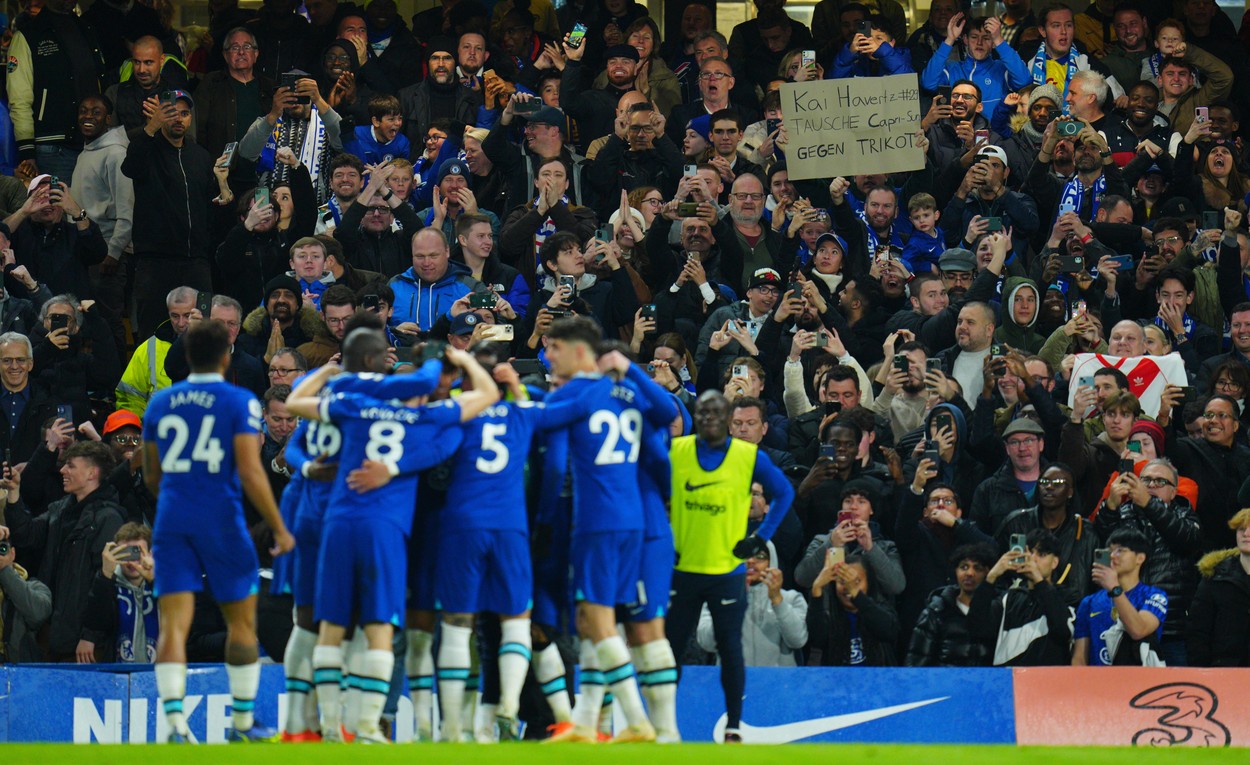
(104,191)
(771,635)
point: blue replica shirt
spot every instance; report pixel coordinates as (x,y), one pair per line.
(604,449)
(405,439)
(487,488)
(1096,615)
(193,424)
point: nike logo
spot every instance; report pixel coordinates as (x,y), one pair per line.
(1092,614)
(797,731)
(697,486)
(724,602)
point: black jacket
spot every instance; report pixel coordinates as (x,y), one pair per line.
(1175,543)
(943,636)
(1038,615)
(1220,472)
(414,101)
(996,498)
(27,436)
(245,371)
(1077,541)
(88,368)
(1219,618)
(72,535)
(65,64)
(174,188)
(59,256)
(829,629)
(619,167)
(388,252)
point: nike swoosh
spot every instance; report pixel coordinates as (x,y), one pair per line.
(1092,614)
(696,486)
(724,602)
(796,731)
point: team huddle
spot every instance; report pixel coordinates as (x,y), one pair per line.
(366,524)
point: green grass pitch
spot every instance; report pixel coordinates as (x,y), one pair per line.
(534,754)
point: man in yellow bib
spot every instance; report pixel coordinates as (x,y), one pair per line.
(711,502)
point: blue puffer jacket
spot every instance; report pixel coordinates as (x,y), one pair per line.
(423,302)
(994,76)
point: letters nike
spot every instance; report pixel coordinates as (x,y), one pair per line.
(697,486)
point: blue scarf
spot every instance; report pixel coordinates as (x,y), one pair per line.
(1186,321)
(128,619)
(1074,194)
(546,229)
(1039,70)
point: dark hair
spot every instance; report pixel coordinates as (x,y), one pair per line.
(297,358)
(772,17)
(275,393)
(729,113)
(1042,541)
(1050,8)
(935,485)
(1146,84)
(205,342)
(970,84)
(861,416)
(884,24)
(772,100)
(749,402)
(1224,103)
(870,292)
(981,553)
(1121,380)
(336,295)
(467,221)
(1169,224)
(1182,275)
(363,320)
(1130,538)
(347,160)
(551,247)
(1237,372)
(384,105)
(360,344)
(333,248)
(842,373)
(95,452)
(842,421)
(1241,307)
(379,288)
(108,103)
(576,329)
(133,530)
(912,345)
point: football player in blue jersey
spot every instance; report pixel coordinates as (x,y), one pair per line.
(201,453)
(362,568)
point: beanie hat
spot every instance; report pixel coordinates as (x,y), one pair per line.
(1047,91)
(284,282)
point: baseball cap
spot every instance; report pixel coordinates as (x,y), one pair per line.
(122,419)
(1177,207)
(1023,425)
(765,276)
(453,166)
(34,182)
(957,259)
(464,323)
(994,151)
(181,95)
(829,236)
(1154,169)
(548,115)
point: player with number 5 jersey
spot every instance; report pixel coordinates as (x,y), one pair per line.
(201,452)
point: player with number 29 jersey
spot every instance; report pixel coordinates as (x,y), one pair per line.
(199,525)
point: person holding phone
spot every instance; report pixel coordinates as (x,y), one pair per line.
(871,52)
(125,634)
(78,347)
(982,38)
(25,604)
(54,239)
(1121,624)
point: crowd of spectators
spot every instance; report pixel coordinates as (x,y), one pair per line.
(902,346)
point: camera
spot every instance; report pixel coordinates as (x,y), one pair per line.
(5,547)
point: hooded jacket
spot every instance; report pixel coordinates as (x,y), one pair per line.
(772,636)
(174,188)
(104,191)
(1018,336)
(994,76)
(145,374)
(1219,617)
(422,302)
(963,471)
(72,534)
(254,337)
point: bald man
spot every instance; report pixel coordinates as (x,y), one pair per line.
(147,58)
(1127,339)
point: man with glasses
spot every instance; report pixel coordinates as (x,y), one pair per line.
(1217,461)
(23,407)
(637,153)
(286,366)
(726,133)
(245,371)
(716,81)
(951,128)
(1014,485)
(1056,512)
(145,374)
(760,244)
(123,433)
(1149,503)
(338,303)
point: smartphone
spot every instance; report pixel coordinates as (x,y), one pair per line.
(933,455)
(58,321)
(1071,264)
(822,215)
(528,367)
(740,370)
(229,152)
(484,299)
(168,97)
(571,283)
(690,171)
(129,553)
(944,93)
(65,412)
(1134,447)
(289,81)
(1068,128)
(997,351)
(845,515)
(807,58)
(796,288)
(605,233)
(528,106)
(54,184)
(993,223)
(1085,382)
(981,136)
(1125,261)
(932,365)
(1102,557)
(837,554)
(577,35)
(1211,219)
(1188,393)
(832,407)
(204,303)
(864,27)
(1201,114)
(499,332)
(902,363)
(822,340)
(433,349)
(371,303)
(687,209)
(648,311)
(1079,307)
(260,196)
(827,451)
(1018,543)
(1125,466)
(1067,207)
(771,126)
(944,420)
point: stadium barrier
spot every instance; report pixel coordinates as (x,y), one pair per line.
(1036,706)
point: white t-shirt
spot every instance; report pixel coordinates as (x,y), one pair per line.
(968,372)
